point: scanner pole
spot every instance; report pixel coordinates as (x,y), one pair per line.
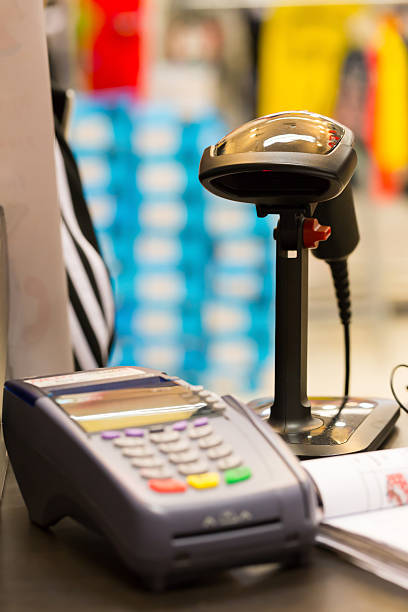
(291,409)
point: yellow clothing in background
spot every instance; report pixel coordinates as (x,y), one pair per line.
(390,121)
(301,54)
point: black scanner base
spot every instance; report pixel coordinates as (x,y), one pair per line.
(359,424)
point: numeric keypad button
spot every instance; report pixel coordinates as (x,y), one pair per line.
(200,432)
(200,422)
(138,451)
(210,441)
(197,467)
(180,426)
(159,472)
(128,442)
(110,435)
(196,388)
(218,452)
(167,485)
(229,462)
(134,432)
(204,481)
(219,405)
(206,394)
(186,457)
(165,436)
(212,399)
(174,447)
(147,462)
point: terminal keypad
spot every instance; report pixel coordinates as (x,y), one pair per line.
(189,453)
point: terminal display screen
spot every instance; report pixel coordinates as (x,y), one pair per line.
(102,409)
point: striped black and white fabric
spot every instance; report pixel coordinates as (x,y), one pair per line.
(91,304)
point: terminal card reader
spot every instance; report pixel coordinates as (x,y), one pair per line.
(178,479)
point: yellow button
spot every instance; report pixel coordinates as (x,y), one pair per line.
(204,481)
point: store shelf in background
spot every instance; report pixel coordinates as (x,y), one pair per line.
(240,382)
(241,351)
(156,132)
(162,354)
(103,207)
(240,285)
(180,258)
(246,252)
(159,321)
(98,124)
(166,322)
(163,216)
(100,172)
(215,321)
(226,320)
(151,287)
(157,178)
(129,350)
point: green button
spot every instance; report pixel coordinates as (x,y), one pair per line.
(237,474)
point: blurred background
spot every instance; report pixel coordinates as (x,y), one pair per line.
(157,81)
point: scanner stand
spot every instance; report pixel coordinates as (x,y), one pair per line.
(324,426)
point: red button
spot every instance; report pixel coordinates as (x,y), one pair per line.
(167,485)
(313,233)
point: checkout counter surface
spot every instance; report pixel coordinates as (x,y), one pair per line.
(71,568)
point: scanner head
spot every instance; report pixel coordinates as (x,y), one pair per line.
(288,159)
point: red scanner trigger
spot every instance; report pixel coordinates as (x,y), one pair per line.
(313,233)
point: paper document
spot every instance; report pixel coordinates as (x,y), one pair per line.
(377,542)
(365,507)
(361,482)
(389,527)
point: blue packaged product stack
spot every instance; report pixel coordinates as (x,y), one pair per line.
(193,274)
(154,323)
(92,128)
(239,311)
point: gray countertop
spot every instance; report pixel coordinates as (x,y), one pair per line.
(71,568)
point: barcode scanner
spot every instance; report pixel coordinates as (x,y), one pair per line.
(298,165)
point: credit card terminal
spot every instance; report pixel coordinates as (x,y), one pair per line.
(178,479)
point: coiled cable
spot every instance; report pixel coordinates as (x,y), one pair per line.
(393,372)
(339,271)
